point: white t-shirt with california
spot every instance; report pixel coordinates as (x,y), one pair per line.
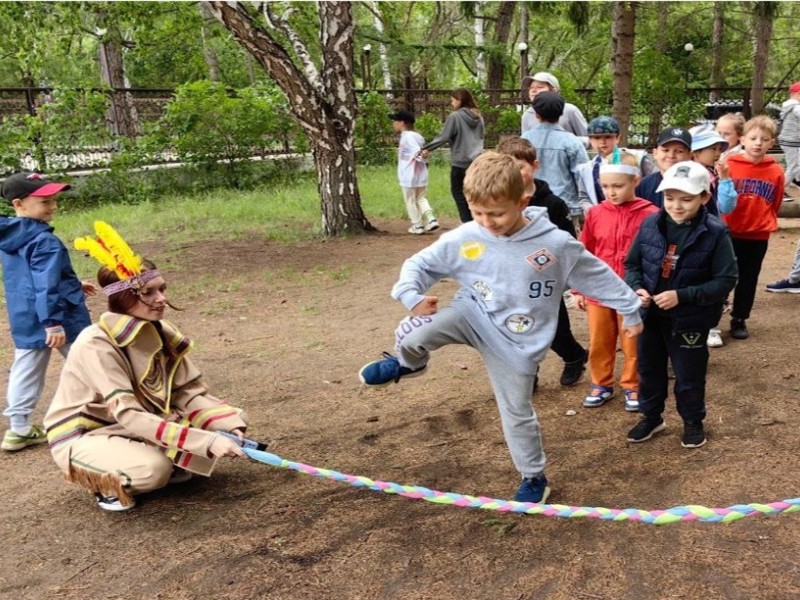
(411,171)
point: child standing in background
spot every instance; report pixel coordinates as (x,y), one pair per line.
(412,173)
(674,144)
(608,234)
(44,297)
(759,182)
(730,128)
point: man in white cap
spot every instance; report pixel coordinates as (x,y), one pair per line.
(572,120)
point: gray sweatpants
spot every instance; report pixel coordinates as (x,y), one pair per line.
(417,337)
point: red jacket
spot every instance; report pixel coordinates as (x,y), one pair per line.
(610,229)
(760,192)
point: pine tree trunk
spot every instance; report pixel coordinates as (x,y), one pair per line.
(716,51)
(502,30)
(764,14)
(121,114)
(623,36)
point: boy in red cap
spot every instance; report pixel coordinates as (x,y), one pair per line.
(45,299)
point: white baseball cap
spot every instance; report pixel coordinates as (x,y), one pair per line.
(687,176)
(547,78)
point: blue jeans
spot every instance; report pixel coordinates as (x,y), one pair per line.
(25,383)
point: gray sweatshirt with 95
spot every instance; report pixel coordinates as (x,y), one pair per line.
(511,286)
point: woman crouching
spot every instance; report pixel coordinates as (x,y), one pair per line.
(131,413)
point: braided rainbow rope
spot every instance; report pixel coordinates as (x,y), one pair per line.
(654,517)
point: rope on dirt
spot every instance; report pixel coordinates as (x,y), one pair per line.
(654,517)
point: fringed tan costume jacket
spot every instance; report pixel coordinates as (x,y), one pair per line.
(122,378)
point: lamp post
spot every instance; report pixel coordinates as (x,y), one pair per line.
(689,48)
(366,68)
(523,60)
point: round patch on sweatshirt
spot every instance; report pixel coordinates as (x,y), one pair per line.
(519,323)
(472,250)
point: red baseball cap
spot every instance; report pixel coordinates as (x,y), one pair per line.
(22,185)
(794,88)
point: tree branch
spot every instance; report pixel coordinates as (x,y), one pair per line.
(282,24)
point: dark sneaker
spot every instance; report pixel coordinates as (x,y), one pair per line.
(739,329)
(693,434)
(533,490)
(179,476)
(631,400)
(112,503)
(645,429)
(13,441)
(784,285)
(573,371)
(386,370)
(598,396)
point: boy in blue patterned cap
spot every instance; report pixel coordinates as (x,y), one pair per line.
(603,136)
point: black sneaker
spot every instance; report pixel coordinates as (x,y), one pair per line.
(645,429)
(739,329)
(573,371)
(693,434)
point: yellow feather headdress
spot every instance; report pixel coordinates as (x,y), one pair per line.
(113,252)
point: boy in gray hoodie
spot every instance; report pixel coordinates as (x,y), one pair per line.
(513,265)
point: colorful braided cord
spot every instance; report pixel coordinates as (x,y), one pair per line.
(655,517)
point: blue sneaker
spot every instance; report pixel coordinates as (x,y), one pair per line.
(784,285)
(533,490)
(386,370)
(631,400)
(598,396)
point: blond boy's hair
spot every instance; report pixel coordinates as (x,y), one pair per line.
(627,158)
(763,122)
(518,147)
(736,119)
(493,177)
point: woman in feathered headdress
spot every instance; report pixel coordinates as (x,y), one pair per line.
(131,413)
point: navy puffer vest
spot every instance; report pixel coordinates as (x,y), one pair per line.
(694,266)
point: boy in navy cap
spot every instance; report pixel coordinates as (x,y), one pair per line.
(45,299)
(412,173)
(674,145)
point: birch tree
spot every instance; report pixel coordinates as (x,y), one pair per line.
(321,99)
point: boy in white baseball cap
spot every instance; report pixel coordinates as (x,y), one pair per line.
(681,299)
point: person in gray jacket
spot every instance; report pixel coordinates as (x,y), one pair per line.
(789,136)
(572,120)
(463,130)
(513,266)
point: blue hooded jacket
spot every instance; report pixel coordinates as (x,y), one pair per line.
(42,289)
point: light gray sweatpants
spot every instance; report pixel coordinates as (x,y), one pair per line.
(417,337)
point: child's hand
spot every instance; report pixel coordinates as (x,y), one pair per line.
(666,300)
(644,296)
(424,154)
(580,301)
(56,337)
(88,288)
(634,330)
(723,170)
(427,306)
(222,446)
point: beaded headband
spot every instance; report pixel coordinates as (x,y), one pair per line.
(114,253)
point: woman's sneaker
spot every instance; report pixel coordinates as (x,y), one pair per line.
(112,503)
(784,285)
(533,490)
(714,338)
(386,370)
(645,429)
(13,441)
(598,396)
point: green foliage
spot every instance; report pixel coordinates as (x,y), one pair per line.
(509,121)
(374,137)
(428,126)
(15,142)
(217,130)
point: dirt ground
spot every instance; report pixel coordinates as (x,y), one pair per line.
(282,331)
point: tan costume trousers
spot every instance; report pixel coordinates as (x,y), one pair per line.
(605,328)
(141,467)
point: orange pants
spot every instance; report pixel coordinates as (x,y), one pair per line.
(605,328)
